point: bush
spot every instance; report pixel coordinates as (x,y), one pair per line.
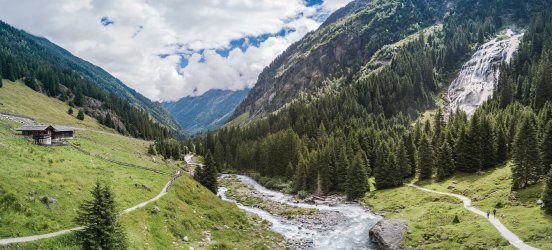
(302,194)
(455,220)
(499,205)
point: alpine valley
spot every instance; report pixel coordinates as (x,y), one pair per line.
(393,124)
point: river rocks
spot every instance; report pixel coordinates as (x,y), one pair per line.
(325,200)
(389,234)
(185,238)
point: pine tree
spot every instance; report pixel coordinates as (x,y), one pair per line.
(207,175)
(342,169)
(1,82)
(547,194)
(108,121)
(357,181)
(445,162)
(403,161)
(70,111)
(487,144)
(80,115)
(99,216)
(546,149)
(501,147)
(424,159)
(526,155)
(300,178)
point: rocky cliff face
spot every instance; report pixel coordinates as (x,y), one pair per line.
(337,50)
(479,76)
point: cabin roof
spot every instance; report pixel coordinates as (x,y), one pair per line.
(56,128)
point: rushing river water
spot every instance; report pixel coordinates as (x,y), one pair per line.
(349,233)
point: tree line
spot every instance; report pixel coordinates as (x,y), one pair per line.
(322,144)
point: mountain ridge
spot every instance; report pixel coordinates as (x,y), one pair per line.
(205,112)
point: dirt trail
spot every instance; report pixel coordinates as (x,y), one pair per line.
(66,231)
(507,234)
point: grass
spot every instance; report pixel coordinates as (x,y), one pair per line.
(238,121)
(518,210)
(29,172)
(188,210)
(430,215)
(16,98)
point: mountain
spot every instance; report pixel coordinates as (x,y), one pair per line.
(206,112)
(337,50)
(37,55)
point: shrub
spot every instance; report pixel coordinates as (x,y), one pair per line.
(455,220)
(302,194)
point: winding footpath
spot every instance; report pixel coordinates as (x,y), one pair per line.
(507,234)
(66,231)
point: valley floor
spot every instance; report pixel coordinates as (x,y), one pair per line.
(430,215)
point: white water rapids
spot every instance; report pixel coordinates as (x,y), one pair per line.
(477,79)
(350,233)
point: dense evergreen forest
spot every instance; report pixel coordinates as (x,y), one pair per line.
(368,128)
(22,59)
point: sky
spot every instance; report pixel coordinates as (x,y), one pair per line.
(169,49)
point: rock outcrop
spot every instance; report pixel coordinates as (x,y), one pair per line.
(389,234)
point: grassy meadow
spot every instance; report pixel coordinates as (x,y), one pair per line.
(430,215)
(30,172)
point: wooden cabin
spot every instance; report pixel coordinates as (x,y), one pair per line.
(45,134)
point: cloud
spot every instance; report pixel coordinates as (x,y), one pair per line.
(170,49)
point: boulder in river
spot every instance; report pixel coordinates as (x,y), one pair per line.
(389,234)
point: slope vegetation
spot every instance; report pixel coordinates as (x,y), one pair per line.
(41,187)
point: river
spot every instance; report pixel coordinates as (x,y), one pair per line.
(349,232)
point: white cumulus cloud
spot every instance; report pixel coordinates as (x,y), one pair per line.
(127,37)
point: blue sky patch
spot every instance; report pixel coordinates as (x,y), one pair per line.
(310,3)
(106,21)
(246,42)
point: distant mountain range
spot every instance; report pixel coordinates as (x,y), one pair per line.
(206,112)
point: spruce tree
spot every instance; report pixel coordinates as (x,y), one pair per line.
(357,181)
(300,178)
(487,144)
(445,162)
(342,166)
(403,162)
(1,82)
(547,194)
(546,149)
(80,115)
(70,111)
(99,217)
(208,174)
(424,160)
(501,147)
(526,155)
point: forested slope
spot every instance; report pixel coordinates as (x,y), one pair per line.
(53,71)
(324,144)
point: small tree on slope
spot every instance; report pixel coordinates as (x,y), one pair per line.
(547,194)
(207,175)
(99,215)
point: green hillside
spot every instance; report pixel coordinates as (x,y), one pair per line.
(430,215)
(53,71)
(29,172)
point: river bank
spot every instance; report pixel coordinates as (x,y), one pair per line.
(340,225)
